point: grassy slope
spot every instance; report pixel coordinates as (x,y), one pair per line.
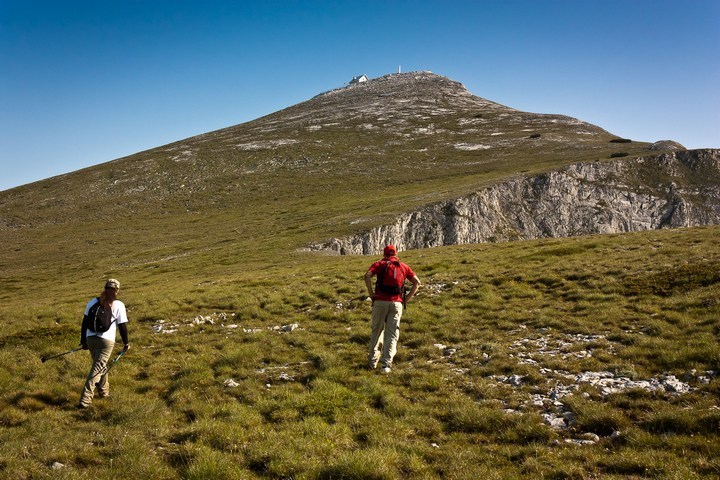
(653,296)
(333,165)
(201,227)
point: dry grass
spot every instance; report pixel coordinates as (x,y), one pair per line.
(304,406)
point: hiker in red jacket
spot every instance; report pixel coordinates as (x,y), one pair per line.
(388,300)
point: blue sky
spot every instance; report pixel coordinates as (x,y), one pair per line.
(83,82)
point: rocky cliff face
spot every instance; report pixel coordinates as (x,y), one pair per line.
(675,189)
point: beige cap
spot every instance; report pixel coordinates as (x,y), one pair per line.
(112,283)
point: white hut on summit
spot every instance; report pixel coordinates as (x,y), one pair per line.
(361,79)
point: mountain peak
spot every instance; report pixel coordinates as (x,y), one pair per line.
(398,81)
(423,91)
(422,128)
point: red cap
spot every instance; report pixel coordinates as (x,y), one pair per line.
(390,251)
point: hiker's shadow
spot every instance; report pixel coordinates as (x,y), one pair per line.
(38,400)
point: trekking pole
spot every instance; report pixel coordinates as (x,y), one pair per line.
(44,359)
(115,361)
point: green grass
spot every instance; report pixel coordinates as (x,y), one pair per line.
(305,406)
(201,228)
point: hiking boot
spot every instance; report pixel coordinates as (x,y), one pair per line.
(386,370)
(100,393)
(83,406)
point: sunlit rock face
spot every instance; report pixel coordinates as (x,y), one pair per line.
(675,189)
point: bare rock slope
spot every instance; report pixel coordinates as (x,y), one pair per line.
(667,191)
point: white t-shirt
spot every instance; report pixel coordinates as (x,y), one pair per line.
(119,315)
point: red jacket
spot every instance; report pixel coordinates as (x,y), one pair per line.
(378,267)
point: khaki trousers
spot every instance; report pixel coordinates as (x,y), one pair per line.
(385,332)
(100,351)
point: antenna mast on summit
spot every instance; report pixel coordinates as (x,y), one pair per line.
(398,68)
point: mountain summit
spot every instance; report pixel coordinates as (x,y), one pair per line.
(341,164)
(421,126)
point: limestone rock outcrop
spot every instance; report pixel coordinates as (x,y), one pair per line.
(670,190)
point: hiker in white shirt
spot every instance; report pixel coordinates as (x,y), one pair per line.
(101,343)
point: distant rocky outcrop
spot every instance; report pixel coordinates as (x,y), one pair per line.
(666,145)
(673,189)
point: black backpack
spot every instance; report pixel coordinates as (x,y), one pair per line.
(99,318)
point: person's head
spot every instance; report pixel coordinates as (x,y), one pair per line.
(112,287)
(390,251)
